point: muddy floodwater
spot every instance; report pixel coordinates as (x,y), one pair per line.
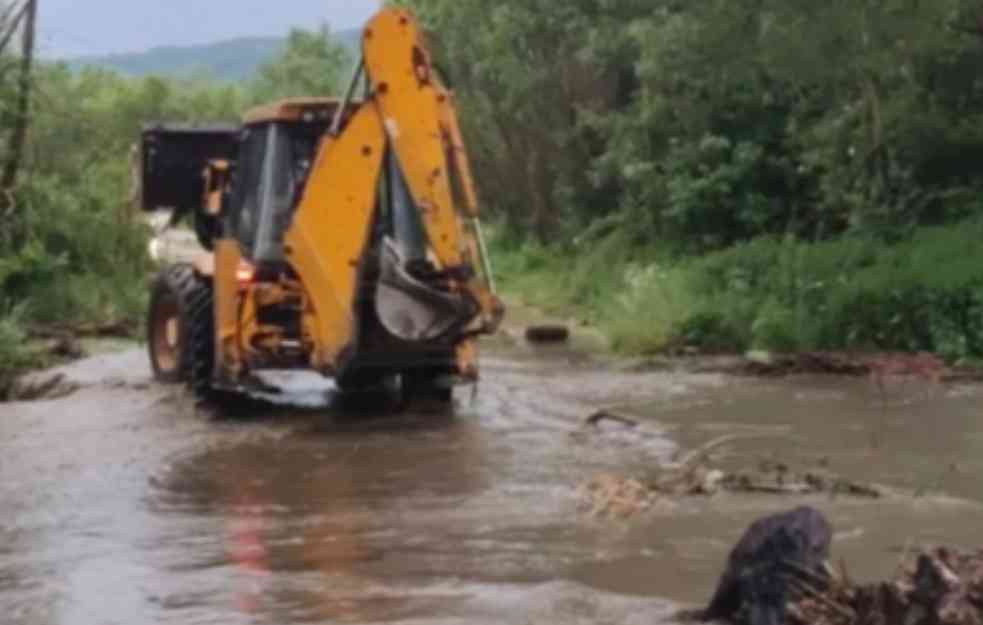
(122,504)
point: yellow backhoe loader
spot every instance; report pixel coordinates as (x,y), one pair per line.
(342,235)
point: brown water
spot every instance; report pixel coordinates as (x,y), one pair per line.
(122,505)
(922,441)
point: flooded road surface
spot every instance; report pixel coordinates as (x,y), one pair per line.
(122,505)
(923,441)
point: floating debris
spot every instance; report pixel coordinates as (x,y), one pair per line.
(601,416)
(614,496)
(778,479)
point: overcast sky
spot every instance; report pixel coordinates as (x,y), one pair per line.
(87,27)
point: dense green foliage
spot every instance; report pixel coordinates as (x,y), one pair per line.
(231,60)
(72,250)
(312,63)
(72,245)
(652,141)
(708,123)
(781,294)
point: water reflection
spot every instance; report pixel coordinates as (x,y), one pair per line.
(309,517)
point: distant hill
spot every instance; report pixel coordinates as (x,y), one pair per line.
(231,60)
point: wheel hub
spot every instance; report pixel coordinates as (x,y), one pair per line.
(167,335)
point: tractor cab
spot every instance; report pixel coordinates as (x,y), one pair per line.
(245,180)
(277,147)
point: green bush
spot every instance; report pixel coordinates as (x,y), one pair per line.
(709,330)
(581,277)
(776,328)
(925,293)
(15,353)
(645,308)
(777,294)
(80,259)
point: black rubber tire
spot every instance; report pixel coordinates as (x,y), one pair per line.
(422,386)
(360,382)
(201,341)
(171,295)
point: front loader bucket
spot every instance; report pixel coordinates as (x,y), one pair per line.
(414,311)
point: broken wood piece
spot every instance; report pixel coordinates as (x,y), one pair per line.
(775,489)
(811,592)
(605,415)
(701,453)
(110,329)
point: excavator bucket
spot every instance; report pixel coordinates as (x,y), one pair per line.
(173,156)
(414,311)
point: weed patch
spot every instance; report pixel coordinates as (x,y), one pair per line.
(924,293)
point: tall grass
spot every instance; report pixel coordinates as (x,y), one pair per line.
(604,281)
(643,316)
(922,294)
(781,294)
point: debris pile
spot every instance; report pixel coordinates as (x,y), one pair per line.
(777,478)
(614,496)
(938,587)
(779,573)
(41,386)
(826,363)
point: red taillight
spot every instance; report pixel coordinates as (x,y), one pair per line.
(245,273)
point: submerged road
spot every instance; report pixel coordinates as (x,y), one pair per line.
(124,504)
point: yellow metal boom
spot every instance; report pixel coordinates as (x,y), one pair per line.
(408,111)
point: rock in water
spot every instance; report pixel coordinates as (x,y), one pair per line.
(755,588)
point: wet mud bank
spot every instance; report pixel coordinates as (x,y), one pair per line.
(125,503)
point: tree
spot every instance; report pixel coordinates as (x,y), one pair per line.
(311,64)
(21,114)
(707,123)
(529,76)
(10,19)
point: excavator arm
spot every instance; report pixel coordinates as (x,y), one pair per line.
(407,115)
